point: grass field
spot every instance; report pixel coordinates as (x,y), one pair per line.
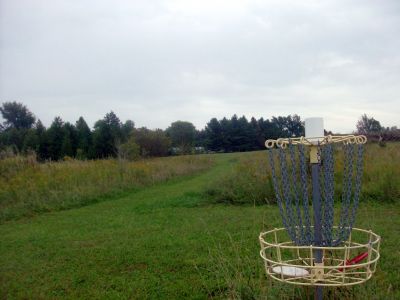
(28,188)
(167,242)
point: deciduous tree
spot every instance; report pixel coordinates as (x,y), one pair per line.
(182,135)
(367,125)
(16,115)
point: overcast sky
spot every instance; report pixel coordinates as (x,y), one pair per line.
(156,62)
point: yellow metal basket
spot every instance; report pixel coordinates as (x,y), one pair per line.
(351,263)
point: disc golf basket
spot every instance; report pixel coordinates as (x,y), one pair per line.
(316,247)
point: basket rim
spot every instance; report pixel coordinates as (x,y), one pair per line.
(374,239)
(288,264)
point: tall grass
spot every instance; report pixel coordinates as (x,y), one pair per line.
(250,180)
(28,187)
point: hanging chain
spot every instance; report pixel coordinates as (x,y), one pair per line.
(276,186)
(344,193)
(328,171)
(344,230)
(290,197)
(357,187)
(304,185)
(286,195)
(296,196)
(322,180)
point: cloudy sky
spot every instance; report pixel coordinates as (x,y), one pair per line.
(156,62)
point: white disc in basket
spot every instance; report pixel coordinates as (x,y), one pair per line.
(290,271)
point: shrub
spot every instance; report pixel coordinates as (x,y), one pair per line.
(129,150)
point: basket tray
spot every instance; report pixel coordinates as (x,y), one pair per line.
(351,263)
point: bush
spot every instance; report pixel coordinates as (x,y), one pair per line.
(129,150)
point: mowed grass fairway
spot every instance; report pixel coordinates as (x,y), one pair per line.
(167,242)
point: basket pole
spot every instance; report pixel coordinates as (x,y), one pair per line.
(316,199)
(315,127)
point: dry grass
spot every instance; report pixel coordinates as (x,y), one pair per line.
(28,187)
(249,181)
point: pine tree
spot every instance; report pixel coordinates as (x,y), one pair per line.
(213,133)
(55,138)
(107,136)
(84,136)
(42,152)
(70,140)
(103,141)
(31,141)
(226,129)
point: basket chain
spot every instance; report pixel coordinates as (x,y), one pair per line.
(296,194)
(307,238)
(328,188)
(292,198)
(347,192)
(275,184)
(287,195)
(357,188)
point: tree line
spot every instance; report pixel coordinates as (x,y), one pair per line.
(22,132)
(375,131)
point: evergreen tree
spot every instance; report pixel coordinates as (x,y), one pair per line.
(70,141)
(269,129)
(107,136)
(55,139)
(14,138)
(84,136)
(226,129)
(115,125)
(281,124)
(242,137)
(103,140)
(42,151)
(289,126)
(31,141)
(253,133)
(295,126)
(200,138)
(257,128)
(213,133)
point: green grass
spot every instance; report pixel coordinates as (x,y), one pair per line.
(28,188)
(250,180)
(167,242)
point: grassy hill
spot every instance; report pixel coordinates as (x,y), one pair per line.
(167,241)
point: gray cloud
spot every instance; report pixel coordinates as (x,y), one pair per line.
(159,61)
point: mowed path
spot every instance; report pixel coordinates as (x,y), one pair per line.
(163,242)
(147,244)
